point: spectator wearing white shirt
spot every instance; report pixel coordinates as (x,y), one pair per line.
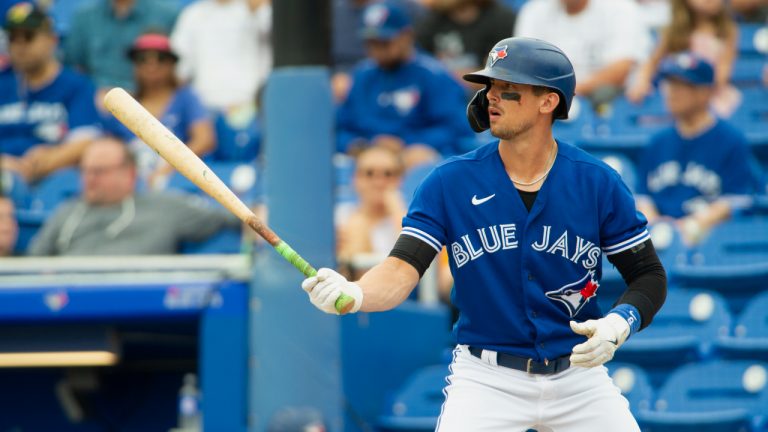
(225,49)
(605,39)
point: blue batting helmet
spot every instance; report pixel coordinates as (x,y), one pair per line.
(530,61)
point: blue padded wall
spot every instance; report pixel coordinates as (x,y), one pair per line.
(295,354)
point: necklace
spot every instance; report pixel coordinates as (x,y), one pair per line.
(551,164)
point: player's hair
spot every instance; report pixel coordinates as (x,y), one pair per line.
(677,34)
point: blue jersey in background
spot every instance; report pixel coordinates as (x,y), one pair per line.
(680,174)
(59,111)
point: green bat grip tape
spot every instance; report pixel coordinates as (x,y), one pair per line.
(343,304)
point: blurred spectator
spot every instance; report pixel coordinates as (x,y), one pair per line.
(348,51)
(655,14)
(706,28)
(400,98)
(694,171)
(109,219)
(755,11)
(47,115)
(603,38)
(225,49)
(177,107)
(460,32)
(374,224)
(4,6)
(103,30)
(9,228)
(348,20)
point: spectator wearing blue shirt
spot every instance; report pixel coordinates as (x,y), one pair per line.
(400,98)
(47,112)
(697,171)
(101,32)
(176,106)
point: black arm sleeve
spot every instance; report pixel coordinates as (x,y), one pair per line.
(415,252)
(645,278)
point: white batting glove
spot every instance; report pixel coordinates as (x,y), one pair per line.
(327,286)
(605,336)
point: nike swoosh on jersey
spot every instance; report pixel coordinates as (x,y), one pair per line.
(615,342)
(476,201)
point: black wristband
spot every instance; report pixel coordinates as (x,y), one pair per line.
(415,252)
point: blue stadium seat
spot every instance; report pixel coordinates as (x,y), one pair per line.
(715,396)
(751,117)
(580,123)
(753,38)
(733,260)
(622,164)
(750,335)
(54,189)
(683,331)
(29,223)
(16,188)
(416,405)
(625,127)
(228,241)
(634,384)
(748,72)
(243,179)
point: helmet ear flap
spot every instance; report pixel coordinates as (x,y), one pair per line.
(477,111)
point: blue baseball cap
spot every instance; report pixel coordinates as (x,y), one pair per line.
(687,67)
(384,21)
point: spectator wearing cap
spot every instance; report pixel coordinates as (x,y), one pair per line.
(225,50)
(401,98)
(695,172)
(175,105)
(47,112)
(101,32)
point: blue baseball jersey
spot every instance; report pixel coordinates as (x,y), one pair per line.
(680,174)
(57,112)
(183,111)
(521,276)
(420,102)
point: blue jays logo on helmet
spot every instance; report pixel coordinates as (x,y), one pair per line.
(496,54)
(576,294)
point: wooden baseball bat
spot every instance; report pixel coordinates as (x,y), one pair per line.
(136,118)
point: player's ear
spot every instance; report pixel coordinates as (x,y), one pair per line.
(548,103)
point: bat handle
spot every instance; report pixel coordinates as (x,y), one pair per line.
(342,305)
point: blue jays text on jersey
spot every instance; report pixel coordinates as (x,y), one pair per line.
(60,110)
(501,237)
(520,276)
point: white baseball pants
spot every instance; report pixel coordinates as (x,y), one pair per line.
(482,396)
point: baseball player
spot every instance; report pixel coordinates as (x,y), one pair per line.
(526,220)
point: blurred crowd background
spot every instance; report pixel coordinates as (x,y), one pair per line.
(673,94)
